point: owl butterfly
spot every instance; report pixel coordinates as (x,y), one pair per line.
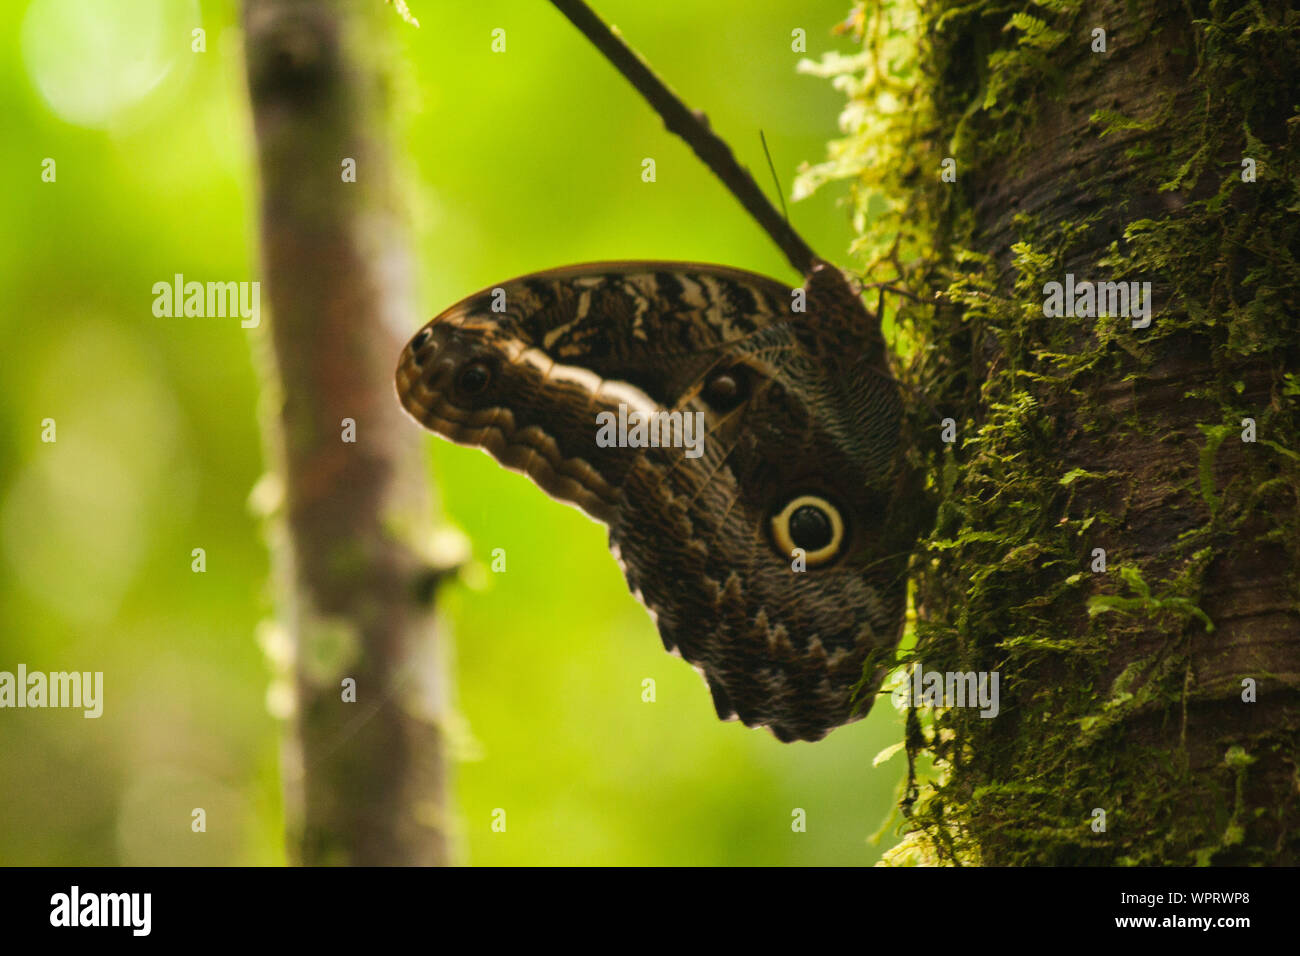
(769,555)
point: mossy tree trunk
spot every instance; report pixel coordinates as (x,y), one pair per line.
(364,773)
(1162,690)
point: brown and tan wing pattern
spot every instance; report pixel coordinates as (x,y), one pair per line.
(796,448)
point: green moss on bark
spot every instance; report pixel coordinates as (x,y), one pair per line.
(1120,690)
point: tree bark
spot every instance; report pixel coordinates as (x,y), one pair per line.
(1127,167)
(365,780)
(1128,731)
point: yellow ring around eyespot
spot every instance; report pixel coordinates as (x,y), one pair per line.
(781,529)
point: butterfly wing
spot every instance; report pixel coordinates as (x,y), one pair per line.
(794,407)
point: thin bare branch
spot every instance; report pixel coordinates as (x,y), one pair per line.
(693,127)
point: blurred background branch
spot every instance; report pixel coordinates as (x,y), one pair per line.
(365,779)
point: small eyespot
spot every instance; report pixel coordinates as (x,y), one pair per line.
(417,343)
(812,524)
(473,378)
(726,389)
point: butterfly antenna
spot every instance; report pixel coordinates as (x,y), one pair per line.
(775,181)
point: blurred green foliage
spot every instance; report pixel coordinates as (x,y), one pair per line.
(514,162)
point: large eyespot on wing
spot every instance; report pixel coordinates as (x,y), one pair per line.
(811,524)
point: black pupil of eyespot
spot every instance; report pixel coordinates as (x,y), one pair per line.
(474,378)
(420,338)
(810,528)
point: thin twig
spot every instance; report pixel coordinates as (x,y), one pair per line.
(692,127)
(776,180)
